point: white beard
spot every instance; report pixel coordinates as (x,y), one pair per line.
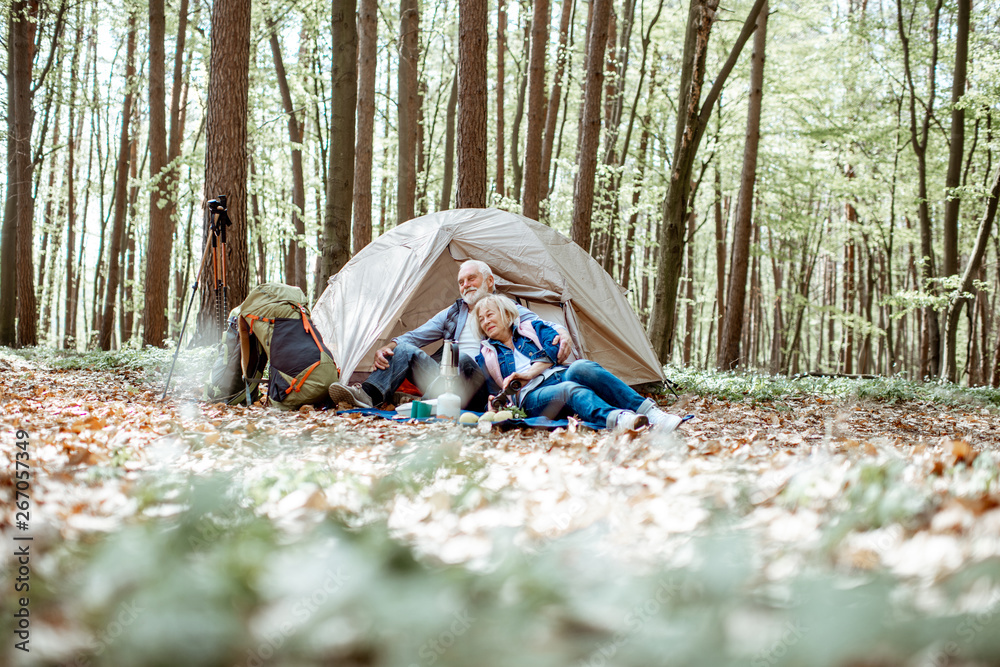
(473,297)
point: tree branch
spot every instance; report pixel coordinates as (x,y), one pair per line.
(734,55)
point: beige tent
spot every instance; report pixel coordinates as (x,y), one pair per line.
(408,274)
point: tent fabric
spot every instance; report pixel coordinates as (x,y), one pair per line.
(404,277)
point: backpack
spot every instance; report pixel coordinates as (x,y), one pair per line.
(301,367)
(225,382)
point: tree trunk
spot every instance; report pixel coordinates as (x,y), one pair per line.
(406,187)
(121,196)
(515,135)
(226,145)
(19,279)
(930,338)
(534,186)
(850,286)
(161,225)
(637,186)
(590,125)
(8,236)
(689,323)
(956,151)
(959,299)
(364,150)
(472,44)
(343,108)
(720,263)
(69,327)
(733,325)
(501,48)
(691,122)
(178,116)
(449,146)
(295,259)
(552,111)
(776,361)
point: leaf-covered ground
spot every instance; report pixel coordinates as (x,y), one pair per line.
(822,522)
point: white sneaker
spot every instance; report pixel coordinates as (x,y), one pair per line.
(630,421)
(351,394)
(663,422)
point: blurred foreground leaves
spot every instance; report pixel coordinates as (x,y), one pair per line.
(806,529)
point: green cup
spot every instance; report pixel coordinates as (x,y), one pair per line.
(420,410)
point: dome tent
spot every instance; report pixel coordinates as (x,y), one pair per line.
(407,275)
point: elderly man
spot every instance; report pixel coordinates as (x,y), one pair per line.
(403,359)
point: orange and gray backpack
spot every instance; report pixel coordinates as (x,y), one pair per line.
(273,323)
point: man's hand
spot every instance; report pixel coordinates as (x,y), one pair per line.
(382,356)
(565,344)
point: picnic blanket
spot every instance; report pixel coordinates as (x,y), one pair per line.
(531,422)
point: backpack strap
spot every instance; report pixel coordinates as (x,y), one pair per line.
(244,329)
(297,386)
(253,318)
(308,326)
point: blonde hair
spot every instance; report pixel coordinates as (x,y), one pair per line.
(504,307)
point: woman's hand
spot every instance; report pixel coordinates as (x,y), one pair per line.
(526,375)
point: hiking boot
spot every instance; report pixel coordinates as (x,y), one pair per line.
(662,422)
(630,421)
(351,394)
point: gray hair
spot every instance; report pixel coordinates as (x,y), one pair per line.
(506,308)
(482,267)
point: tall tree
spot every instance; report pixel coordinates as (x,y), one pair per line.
(534,187)
(501,47)
(406,185)
(161,225)
(295,259)
(17,274)
(121,194)
(364,151)
(960,296)
(590,124)
(692,118)
(336,248)
(449,146)
(472,42)
(732,330)
(69,327)
(919,136)
(226,142)
(956,146)
(552,111)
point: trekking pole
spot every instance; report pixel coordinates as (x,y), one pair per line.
(194,291)
(219,208)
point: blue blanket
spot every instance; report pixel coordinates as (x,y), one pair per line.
(531,422)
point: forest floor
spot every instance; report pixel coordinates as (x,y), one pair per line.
(832,522)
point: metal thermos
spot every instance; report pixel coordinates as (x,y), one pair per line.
(449,359)
(449,403)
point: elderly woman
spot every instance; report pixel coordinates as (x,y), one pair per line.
(524,352)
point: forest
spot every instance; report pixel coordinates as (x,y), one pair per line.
(792,188)
(797,198)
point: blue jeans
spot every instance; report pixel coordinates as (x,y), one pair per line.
(587,389)
(409,362)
